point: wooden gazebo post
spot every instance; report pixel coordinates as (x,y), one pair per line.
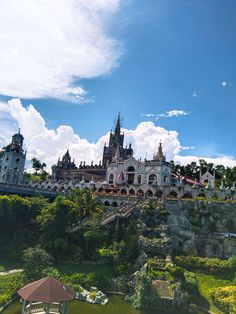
(42,296)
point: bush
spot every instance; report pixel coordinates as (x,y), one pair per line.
(4,298)
(225,299)
(232,263)
(209,265)
(190,282)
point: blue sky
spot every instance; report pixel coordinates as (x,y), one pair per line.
(173,55)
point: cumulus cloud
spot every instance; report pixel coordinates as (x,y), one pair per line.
(49,144)
(223,83)
(194,94)
(47,46)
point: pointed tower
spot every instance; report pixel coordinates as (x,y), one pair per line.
(160,155)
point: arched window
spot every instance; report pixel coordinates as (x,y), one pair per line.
(187,195)
(123,192)
(131,192)
(165,179)
(140,193)
(114,204)
(152,179)
(149,193)
(111,179)
(159,194)
(130,175)
(106,203)
(173,194)
(139,179)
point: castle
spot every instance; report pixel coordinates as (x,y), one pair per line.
(12,161)
(118,173)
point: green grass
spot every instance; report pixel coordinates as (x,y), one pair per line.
(67,268)
(5,282)
(208,282)
(6,264)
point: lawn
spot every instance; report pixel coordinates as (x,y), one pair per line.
(208,282)
(67,268)
(6,264)
(6,283)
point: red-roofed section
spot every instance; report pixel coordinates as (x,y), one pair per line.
(46,290)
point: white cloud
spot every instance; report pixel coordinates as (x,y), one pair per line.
(194,94)
(187,147)
(48,144)
(167,114)
(147,115)
(176,113)
(223,83)
(46,46)
(227,161)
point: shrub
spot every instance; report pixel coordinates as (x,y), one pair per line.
(232,263)
(225,299)
(209,265)
(4,298)
(190,282)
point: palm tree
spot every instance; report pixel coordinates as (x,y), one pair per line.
(88,204)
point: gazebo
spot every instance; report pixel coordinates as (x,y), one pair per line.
(46,296)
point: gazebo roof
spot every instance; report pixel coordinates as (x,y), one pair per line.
(46,290)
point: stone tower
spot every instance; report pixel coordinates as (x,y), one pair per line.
(12,161)
(116,143)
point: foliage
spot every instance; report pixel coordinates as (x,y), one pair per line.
(53,221)
(4,298)
(222,173)
(207,282)
(36,263)
(37,165)
(87,204)
(209,265)
(225,299)
(232,262)
(18,224)
(8,285)
(86,280)
(190,282)
(142,293)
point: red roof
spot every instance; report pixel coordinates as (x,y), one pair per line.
(46,290)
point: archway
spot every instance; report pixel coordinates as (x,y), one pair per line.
(173,194)
(131,192)
(106,203)
(111,179)
(140,193)
(123,192)
(149,193)
(114,204)
(130,175)
(187,195)
(139,179)
(152,179)
(159,194)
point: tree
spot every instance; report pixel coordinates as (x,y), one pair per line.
(88,204)
(37,165)
(53,220)
(36,263)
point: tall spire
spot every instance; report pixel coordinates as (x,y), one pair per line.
(118,125)
(160,155)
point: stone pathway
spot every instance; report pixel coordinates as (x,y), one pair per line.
(12,271)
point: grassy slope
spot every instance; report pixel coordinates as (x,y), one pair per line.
(67,267)
(208,282)
(8,264)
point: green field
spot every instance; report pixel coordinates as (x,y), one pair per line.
(208,282)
